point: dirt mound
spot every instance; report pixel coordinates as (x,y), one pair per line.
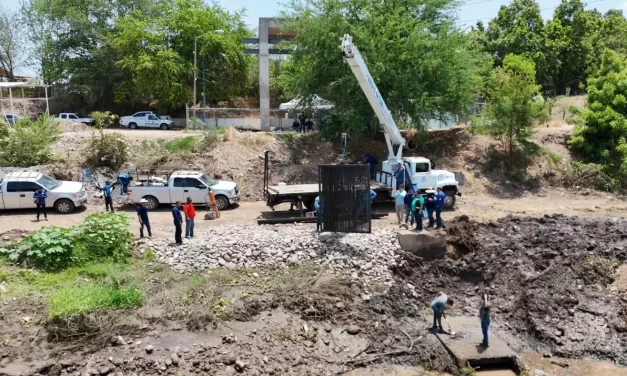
(550,280)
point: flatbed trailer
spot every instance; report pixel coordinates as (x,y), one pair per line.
(303,195)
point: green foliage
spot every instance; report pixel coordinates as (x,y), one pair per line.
(516,105)
(157,54)
(90,297)
(105,236)
(102,236)
(136,51)
(423,65)
(106,150)
(210,139)
(103,119)
(602,137)
(29,143)
(181,145)
(49,248)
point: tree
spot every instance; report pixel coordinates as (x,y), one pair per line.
(518,29)
(423,66)
(137,52)
(516,104)
(13,51)
(602,138)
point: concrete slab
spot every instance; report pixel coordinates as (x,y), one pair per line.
(464,346)
(429,245)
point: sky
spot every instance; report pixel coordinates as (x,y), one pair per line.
(469,12)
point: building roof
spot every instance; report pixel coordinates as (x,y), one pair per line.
(20,84)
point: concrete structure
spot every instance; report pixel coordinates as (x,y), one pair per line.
(465,348)
(429,245)
(270,34)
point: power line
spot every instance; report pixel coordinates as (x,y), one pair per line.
(542,9)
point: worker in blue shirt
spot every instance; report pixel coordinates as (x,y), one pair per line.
(142,215)
(399,174)
(409,199)
(372,161)
(40,196)
(178,223)
(439,205)
(106,190)
(318,208)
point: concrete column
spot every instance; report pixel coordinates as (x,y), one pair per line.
(264,74)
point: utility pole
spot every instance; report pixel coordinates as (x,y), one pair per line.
(196,59)
(204,102)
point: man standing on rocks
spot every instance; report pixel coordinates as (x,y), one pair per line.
(190,214)
(484,315)
(178,223)
(439,305)
(142,215)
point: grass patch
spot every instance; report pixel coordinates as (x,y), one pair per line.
(76,300)
(181,145)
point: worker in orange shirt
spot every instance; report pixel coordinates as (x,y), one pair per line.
(190,214)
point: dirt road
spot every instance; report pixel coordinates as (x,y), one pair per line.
(480,207)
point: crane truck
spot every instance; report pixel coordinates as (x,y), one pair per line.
(420,171)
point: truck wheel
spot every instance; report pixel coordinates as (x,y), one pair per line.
(164,127)
(152,203)
(449,201)
(64,206)
(223,202)
(132,125)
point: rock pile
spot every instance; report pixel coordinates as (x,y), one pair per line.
(364,256)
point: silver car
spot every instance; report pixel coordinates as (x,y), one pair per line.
(12,119)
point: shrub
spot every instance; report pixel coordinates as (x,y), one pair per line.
(103,119)
(105,236)
(90,297)
(29,143)
(107,150)
(49,248)
(209,140)
(181,145)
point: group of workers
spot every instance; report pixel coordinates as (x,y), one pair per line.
(442,302)
(301,124)
(412,207)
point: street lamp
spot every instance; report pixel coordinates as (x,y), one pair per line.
(219,31)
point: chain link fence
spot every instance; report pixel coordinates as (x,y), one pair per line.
(201,119)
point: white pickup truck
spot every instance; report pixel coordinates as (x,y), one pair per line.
(145,120)
(75,118)
(17,188)
(184,184)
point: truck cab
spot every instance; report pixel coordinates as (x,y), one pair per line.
(17,188)
(423,175)
(145,120)
(75,118)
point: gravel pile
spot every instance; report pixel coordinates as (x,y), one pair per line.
(368,257)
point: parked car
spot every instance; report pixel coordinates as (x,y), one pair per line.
(17,188)
(12,119)
(148,120)
(184,184)
(75,118)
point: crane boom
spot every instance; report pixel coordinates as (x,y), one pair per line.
(392,135)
